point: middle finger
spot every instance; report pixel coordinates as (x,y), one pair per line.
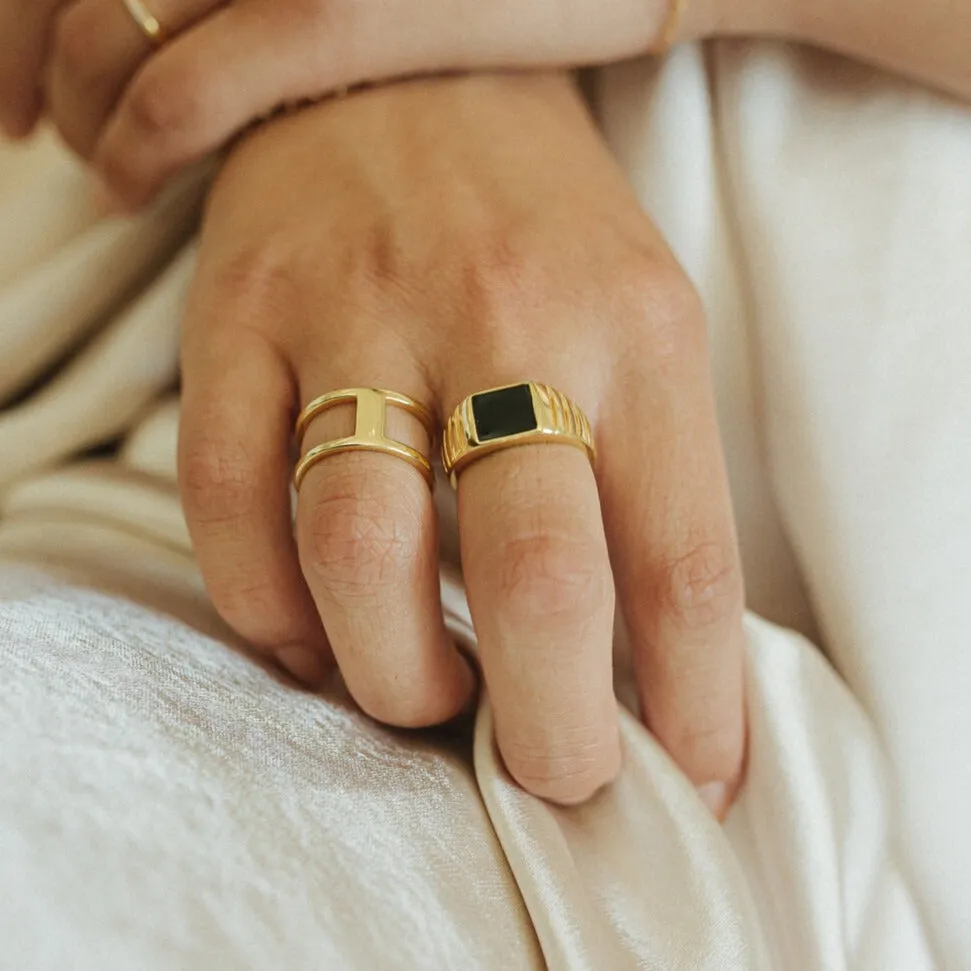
(367,538)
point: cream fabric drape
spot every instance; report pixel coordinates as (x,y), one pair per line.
(167,803)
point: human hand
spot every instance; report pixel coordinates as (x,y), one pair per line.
(439,238)
(142,112)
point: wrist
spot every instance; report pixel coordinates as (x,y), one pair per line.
(390,124)
(705,19)
(425,103)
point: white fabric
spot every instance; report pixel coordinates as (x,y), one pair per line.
(166,803)
(847,219)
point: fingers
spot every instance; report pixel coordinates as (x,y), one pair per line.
(215,79)
(96,49)
(538,576)
(234,472)
(197,91)
(669,523)
(25,27)
(366,531)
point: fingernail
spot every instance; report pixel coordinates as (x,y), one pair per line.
(715,796)
(305,664)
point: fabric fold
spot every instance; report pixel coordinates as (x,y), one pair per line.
(251,824)
(64,270)
(98,395)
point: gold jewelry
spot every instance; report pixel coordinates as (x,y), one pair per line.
(147,22)
(669,33)
(518,414)
(369,428)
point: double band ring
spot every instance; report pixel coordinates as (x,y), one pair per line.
(370,429)
(507,417)
(146,21)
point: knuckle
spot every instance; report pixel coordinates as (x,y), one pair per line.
(380,264)
(657,284)
(261,282)
(658,292)
(335,26)
(703,588)
(571,772)
(500,272)
(216,480)
(158,106)
(505,268)
(361,536)
(250,605)
(552,576)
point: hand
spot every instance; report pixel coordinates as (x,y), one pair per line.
(142,113)
(439,238)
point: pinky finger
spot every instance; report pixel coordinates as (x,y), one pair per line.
(234,473)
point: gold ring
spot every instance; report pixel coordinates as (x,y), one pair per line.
(370,425)
(669,33)
(147,22)
(517,414)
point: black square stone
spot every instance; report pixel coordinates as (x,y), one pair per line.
(508,411)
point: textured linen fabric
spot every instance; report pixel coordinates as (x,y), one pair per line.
(168,802)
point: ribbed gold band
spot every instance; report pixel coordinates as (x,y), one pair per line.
(370,425)
(507,417)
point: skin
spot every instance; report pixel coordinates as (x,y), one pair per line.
(141,113)
(394,227)
(438,238)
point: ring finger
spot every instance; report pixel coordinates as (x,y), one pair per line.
(98,46)
(367,539)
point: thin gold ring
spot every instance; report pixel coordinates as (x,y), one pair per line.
(146,21)
(507,417)
(669,33)
(348,395)
(370,429)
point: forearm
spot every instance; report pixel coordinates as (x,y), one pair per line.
(929,40)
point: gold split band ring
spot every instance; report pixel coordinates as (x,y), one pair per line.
(518,414)
(370,429)
(146,21)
